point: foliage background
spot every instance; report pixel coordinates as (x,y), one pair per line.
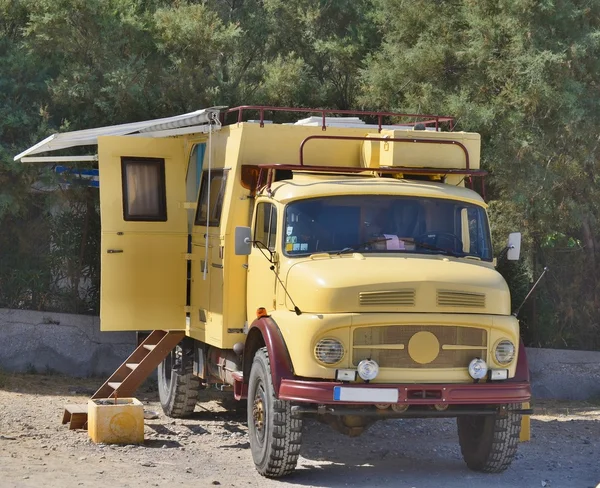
(523,73)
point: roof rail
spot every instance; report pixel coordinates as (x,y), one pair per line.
(269,171)
(425,119)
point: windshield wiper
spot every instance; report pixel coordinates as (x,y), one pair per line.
(359,246)
(433,247)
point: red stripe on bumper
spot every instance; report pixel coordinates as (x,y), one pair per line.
(321,392)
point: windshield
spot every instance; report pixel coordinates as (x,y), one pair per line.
(386,224)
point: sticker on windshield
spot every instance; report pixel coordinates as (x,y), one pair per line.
(296,247)
(291,239)
(393,243)
(289,230)
(304,247)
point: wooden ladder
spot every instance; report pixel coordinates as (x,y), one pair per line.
(130,375)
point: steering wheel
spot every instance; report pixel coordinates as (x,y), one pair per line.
(434,238)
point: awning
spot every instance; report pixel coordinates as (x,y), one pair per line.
(150,128)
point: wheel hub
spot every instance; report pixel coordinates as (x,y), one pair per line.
(258,413)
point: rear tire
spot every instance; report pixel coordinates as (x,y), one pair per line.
(489,443)
(275,432)
(178,389)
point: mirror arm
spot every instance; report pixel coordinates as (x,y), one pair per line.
(262,248)
(504,252)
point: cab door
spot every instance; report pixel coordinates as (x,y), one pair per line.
(261,279)
(144,233)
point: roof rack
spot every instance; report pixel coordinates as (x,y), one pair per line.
(271,169)
(425,119)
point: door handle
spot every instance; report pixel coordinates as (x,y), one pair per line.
(114,251)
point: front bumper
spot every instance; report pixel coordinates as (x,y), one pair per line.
(322,392)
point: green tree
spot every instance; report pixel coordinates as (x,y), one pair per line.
(305,53)
(102,56)
(24,267)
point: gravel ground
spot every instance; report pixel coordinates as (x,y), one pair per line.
(212,449)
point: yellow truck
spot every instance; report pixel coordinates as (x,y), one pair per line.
(328,267)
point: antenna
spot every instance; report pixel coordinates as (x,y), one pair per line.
(516,312)
(296,309)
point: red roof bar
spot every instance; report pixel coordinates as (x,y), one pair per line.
(272,168)
(386,170)
(428,119)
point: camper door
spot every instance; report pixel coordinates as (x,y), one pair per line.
(144,233)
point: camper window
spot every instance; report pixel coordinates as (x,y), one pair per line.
(144,192)
(218,182)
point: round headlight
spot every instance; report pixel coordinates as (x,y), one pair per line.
(505,352)
(477,369)
(329,351)
(368,369)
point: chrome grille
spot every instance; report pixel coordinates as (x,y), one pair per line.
(388,345)
(405,298)
(448,298)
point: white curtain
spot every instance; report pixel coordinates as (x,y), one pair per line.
(143,189)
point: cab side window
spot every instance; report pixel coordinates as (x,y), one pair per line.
(210,200)
(265,226)
(144,190)
(477,231)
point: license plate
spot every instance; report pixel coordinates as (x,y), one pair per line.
(366,395)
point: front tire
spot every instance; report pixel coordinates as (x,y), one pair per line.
(275,432)
(489,442)
(178,388)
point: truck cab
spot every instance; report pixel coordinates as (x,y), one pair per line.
(399,273)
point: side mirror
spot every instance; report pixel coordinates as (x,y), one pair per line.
(243,241)
(514,246)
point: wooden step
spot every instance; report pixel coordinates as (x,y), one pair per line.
(139,365)
(76,416)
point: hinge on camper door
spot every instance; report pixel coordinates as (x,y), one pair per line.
(190,257)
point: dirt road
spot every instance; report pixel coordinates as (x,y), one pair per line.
(211,449)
